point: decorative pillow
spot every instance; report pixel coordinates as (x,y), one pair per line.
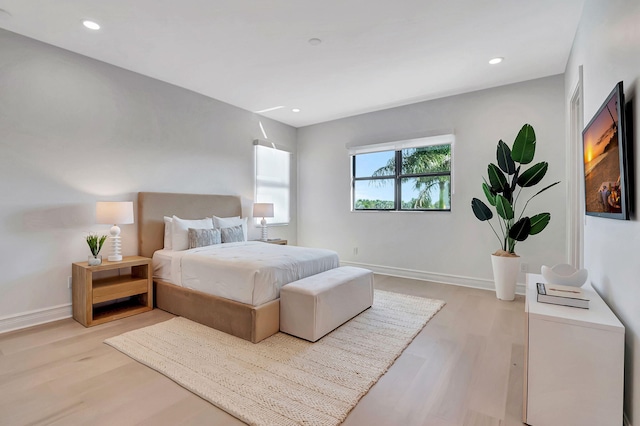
(227,222)
(204,237)
(167,233)
(180,230)
(232,234)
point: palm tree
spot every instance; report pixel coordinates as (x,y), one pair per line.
(419,161)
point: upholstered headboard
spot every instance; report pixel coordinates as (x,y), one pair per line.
(153,206)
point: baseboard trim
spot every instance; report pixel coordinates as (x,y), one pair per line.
(625,419)
(54,313)
(36,317)
(480,283)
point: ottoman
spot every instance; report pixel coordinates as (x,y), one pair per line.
(313,306)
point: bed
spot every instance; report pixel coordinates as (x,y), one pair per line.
(255,312)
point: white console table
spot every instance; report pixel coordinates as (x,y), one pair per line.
(574,362)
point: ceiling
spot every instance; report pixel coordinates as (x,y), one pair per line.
(255,54)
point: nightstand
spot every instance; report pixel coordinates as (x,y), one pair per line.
(278,242)
(91,293)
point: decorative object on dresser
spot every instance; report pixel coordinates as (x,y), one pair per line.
(562,295)
(115,213)
(502,195)
(283,380)
(263,210)
(573,362)
(99,299)
(564,274)
(95,243)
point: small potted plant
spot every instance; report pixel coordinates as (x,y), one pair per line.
(502,191)
(95,243)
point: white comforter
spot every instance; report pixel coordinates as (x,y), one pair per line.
(249,272)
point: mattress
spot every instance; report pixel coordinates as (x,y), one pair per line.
(249,272)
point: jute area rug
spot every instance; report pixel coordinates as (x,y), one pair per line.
(283,380)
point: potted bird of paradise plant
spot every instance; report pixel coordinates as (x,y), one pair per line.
(507,179)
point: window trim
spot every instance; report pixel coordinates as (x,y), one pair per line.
(398,176)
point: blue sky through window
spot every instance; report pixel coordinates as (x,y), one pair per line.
(366,165)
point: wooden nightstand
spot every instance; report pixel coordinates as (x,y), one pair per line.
(278,242)
(90,293)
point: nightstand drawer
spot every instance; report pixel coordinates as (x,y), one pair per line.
(118,287)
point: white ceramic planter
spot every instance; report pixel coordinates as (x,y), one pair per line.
(505,275)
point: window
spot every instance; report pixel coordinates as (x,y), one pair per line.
(414,175)
(272,181)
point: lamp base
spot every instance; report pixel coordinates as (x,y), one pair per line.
(263,222)
(116,244)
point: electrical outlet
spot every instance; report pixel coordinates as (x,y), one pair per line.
(524,267)
(355,251)
(69,282)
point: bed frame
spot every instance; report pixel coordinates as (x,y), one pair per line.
(253,323)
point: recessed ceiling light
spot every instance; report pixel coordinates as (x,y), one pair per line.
(495,61)
(314,41)
(91,25)
(295,109)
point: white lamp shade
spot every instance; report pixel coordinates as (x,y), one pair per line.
(263,210)
(114,212)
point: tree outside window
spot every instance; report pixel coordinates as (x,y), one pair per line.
(405,179)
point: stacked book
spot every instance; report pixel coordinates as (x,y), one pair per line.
(562,295)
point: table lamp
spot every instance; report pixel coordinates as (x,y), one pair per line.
(263,210)
(115,213)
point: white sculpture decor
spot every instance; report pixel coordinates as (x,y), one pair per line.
(564,274)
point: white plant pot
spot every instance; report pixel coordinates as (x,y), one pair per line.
(505,275)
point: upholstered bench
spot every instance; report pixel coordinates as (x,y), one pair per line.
(314,306)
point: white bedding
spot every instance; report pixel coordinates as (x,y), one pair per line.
(249,272)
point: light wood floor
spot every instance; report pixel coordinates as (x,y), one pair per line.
(464,368)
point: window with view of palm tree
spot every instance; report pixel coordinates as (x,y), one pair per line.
(407,179)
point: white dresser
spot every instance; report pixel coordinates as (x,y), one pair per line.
(574,362)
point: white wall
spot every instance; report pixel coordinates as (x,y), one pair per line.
(607,45)
(450,247)
(74,131)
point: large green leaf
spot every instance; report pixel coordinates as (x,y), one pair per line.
(497,179)
(520,230)
(514,180)
(539,222)
(524,147)
(533,175)
(481,210)
(505,161)
(491,197)
(503,207)
(544,189)
(508,194)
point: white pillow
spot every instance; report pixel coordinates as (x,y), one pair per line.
(228,222)
(167,233)
(180,230)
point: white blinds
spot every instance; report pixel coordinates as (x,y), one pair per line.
(273,181)
(404,144)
